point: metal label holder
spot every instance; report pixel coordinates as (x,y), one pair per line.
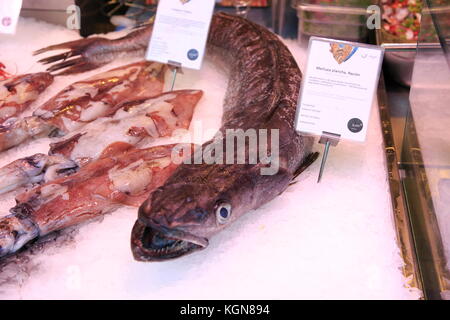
(328,139)
(176,67)
(359,116)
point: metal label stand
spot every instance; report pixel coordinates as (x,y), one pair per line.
(328,139)
(176,67)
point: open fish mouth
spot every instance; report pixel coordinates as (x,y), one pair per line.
(155,243)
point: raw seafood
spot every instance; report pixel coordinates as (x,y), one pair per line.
(154,117)
(19,92)
(30,170)
(198,201)
(91,53)
(85,101)
(118,175)
(3,73)
(135,121)
(123,175)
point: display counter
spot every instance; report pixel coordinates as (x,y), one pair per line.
(330,240)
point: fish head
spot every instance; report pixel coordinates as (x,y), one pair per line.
(181,216)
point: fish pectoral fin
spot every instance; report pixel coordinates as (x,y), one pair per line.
(309,160)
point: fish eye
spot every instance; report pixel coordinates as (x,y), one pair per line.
(223,212)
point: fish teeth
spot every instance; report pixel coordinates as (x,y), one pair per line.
(168,248)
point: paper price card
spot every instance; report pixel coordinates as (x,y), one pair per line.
(338,88)
(180,32)
(9,15)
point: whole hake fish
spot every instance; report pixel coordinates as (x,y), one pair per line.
(201,199)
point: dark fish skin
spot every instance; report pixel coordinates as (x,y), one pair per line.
(181,216)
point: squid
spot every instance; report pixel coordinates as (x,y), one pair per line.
(142,120)
(19,92)
(84,101)
(86,176)
(122,175)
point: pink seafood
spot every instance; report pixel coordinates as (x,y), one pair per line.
(93,175)
(3,73)
(136,121)
(85,101)
(123,175)
(101,95)
(19,92)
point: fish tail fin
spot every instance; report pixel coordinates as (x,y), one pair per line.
(78,53)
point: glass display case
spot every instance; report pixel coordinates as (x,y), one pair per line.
(415,124)
(425,157)
(344,20)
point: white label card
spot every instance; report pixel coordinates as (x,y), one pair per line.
(338,88)
(180,32)
(9,15)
